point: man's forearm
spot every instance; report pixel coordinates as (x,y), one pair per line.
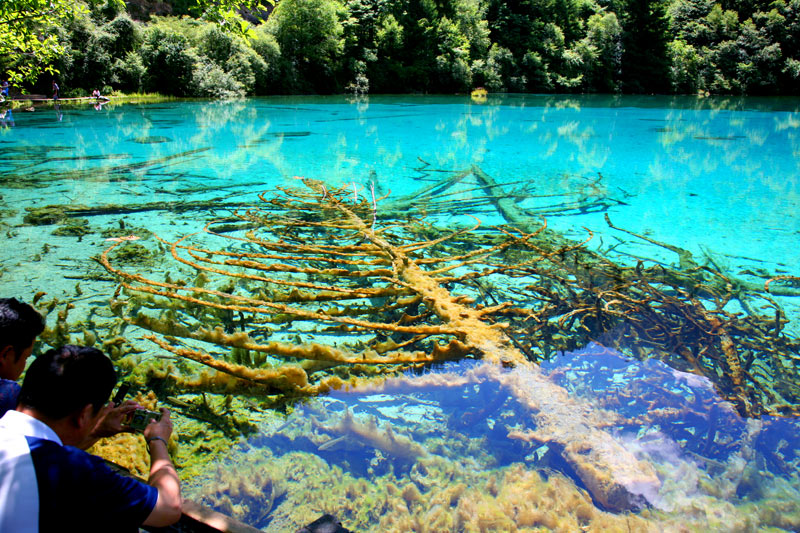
(164,478)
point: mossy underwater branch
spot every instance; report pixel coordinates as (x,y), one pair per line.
(465,326)
(317,264)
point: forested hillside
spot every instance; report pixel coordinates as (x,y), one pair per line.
(436,46)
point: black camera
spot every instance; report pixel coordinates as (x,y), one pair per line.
(138,419)
(141,417)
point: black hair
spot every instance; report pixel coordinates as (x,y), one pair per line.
(64,380)
(20,324)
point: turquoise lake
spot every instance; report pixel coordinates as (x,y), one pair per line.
(717,178)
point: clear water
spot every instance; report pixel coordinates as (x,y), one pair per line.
(719,178)
(691,172)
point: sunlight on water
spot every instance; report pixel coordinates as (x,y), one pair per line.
(459,446)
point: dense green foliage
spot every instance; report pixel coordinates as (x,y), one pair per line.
(400,46)
(28,43)
(33,33)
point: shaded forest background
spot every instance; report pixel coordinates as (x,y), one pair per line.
(434,46)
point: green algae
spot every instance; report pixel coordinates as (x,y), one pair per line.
(124,230)
(73,228)
(45,216)
(133,253)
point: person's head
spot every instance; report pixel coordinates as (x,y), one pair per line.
(20,324)
(65,381)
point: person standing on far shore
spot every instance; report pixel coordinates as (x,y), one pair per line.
(6,118)
(55,90)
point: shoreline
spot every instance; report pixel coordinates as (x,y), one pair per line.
(40,99)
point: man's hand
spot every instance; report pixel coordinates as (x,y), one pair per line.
(110,422)
(161,428)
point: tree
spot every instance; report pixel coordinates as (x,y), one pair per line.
(387,72)
(170,62)
(28,47)
(310,36)
(604,37)
(361,27)
(645,63)
(452,61)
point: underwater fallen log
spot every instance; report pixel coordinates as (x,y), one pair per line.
(507,207)
(201,518)
(53,214)
(570,425)
(522,219)
(686,262)
(614,477)
(383,439)
(661,311)
(100,173)
(376,300)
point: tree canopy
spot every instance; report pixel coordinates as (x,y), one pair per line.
(27,48)
(30,43)
(229,48)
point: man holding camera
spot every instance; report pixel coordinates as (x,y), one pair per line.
(20,324)
(47,483)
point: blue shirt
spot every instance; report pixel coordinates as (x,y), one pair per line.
(46,486)
(9,394)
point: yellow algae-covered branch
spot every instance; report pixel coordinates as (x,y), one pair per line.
(284,378)
(248,261)
(297,313)
(312,351)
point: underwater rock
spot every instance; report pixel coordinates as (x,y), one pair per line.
(135,254)
(129,450)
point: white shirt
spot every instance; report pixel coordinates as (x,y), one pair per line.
(19,494)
